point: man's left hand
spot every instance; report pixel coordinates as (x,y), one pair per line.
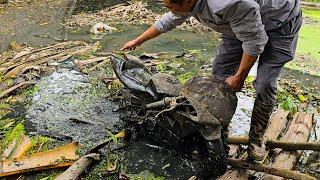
(235,82)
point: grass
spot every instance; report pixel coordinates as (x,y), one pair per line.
(308,50)
(12,135)
(311,13)
(309,41)
(312,0)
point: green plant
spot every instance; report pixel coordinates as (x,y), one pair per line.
(289,105)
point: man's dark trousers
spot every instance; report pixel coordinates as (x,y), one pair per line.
(280,49)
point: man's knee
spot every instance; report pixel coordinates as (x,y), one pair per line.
(266,91)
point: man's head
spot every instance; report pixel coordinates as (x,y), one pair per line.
(180,7)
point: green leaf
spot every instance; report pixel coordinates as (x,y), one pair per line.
(186,76)
(160,67)
(289,105)
(250,79)
(113,137)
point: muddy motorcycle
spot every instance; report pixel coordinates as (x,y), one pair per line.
(191,118)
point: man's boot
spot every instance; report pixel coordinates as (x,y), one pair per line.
(259,122)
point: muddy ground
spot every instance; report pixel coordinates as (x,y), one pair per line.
(60,100)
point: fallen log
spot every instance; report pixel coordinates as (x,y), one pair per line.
(298,131)
(5,92)
(286,173)
(74,171)
(275,126)
(59,157)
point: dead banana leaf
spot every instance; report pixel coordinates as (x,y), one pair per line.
(23,146)
(7,91)
(80,64)
(40,161)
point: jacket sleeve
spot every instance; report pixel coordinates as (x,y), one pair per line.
(168,21)
(245,20)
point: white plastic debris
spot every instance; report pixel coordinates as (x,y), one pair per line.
(102,28)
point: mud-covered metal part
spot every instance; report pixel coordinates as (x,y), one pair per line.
(214,103)
(173,129)
(134,75)
(167,84)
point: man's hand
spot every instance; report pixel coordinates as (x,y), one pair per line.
(131,45)
(235,82)
(150,33)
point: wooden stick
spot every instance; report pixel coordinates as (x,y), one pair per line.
(78,167)
(74,171)
(286,173)
(285,145)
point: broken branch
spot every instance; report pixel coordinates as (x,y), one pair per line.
(74,171)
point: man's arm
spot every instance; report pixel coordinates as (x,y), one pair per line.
(152,32)
(236,82)
(166,23)
(245,20)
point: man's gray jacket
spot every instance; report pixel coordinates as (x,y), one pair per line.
(248,20)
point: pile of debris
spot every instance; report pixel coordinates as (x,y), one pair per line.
(135,13)
(24,65)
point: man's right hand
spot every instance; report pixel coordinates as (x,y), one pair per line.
(150,33)
(131,45)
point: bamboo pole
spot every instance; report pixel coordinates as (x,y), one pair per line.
(286,173)
(293,146)
(74,171)
(285,145)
